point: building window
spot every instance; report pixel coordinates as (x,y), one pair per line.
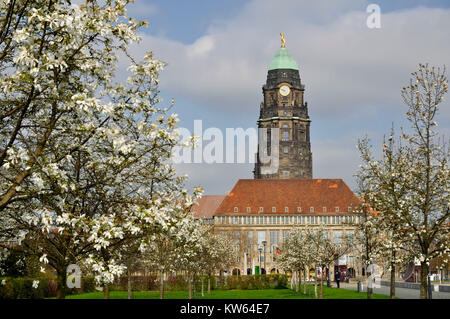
(336,209)
(299,209)
(286,174)
(248,209)
(285,136)
(311,209)
(285,126)
(324,209)
(285,150)
(286,209)
(274,239)
(349,208)
(236,210)
(261,236)
(261,209)
(337,236)
(274,209)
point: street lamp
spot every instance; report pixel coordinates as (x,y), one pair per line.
(264,244)
(260,249)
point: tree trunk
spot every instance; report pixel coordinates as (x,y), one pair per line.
(292,280)
(304,286)
(161,284)
(61,288)
(315,282)
(129,282)
(189,285)
(194,286)
(299,274)
(106,291)
(321,283)
(392,291)
(369,284)
(209,284)
(423,280)
(203,279)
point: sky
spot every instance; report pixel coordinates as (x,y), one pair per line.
(218,53)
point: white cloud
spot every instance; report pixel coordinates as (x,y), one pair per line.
(344,64)
(352,73)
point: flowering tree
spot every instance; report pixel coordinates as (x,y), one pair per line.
(218,255)
(327,251)
(297,254)
(84,160)
(409,186)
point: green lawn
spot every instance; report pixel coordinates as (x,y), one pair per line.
(329,293)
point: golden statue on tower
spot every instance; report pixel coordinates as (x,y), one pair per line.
(283,41)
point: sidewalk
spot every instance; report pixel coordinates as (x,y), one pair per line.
(403,293)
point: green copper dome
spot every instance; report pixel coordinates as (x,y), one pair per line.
(283,60)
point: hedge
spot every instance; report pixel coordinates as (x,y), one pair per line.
(256,282)
(22,288)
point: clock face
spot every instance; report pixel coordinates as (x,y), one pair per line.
(284,90)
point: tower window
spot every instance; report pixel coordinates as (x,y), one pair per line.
(286,209)
(311,209)
(299,209)
(274,209)
(261,209)
(285,150)
(285,136)
(286,174)
(337,209)
(248,209)
(236,210)
(324,209)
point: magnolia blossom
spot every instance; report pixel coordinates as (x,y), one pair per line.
(35,284)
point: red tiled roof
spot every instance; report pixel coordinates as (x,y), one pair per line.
(207,206)
(291,193)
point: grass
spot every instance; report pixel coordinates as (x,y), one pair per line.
(328,293)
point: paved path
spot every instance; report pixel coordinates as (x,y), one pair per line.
(403,293)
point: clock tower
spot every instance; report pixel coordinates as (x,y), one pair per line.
(284,116)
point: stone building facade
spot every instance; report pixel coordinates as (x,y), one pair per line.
(259,213)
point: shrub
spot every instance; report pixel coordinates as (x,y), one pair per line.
(88,284)
(22,288)
(232,282)
(244,283)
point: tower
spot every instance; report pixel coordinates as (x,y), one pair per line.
(284,108)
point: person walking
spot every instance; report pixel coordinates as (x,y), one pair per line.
(337,278)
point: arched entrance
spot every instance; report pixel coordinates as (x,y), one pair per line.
(263,271)
(311,274)
(274,271)
(236,272)
(249,271)
(351,272)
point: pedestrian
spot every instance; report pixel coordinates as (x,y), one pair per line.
(337,277)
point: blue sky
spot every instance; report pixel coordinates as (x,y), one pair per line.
(218,53)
